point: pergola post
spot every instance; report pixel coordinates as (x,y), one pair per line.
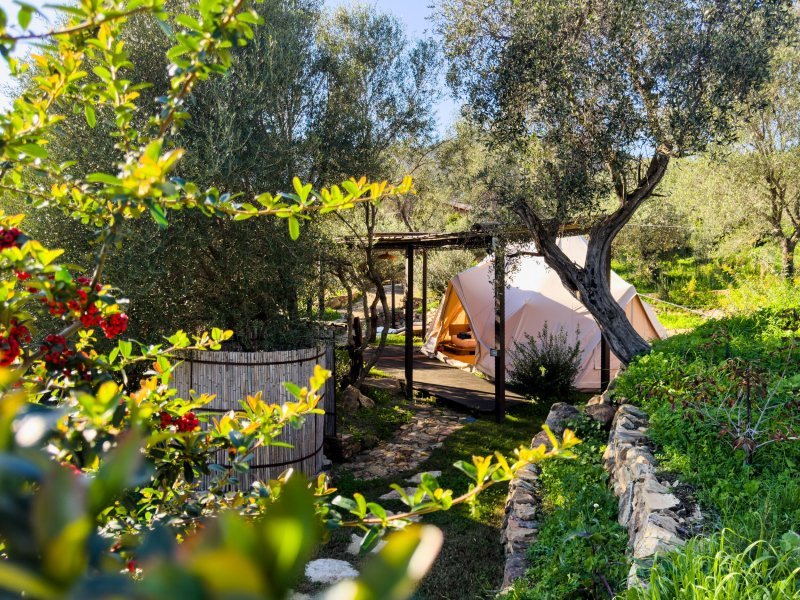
(499,330)
(394,313)
(605,349)
(409,340)
(321,293)
(424,293)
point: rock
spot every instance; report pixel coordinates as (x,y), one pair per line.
(329,570)
(630,409)
(655,496)
(418,477)
(654,539)
(602,413)
(600,400)
(395,495)
(516,565)
(354,547)
(540,439)
(518,539)
(526,512)
(559,414)
(353,399)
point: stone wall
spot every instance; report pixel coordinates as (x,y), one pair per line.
(521,524)
(658,513)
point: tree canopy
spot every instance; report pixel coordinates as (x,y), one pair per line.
(593,99)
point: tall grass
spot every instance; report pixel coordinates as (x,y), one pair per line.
(719,568)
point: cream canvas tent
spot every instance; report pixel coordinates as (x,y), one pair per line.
(534,295)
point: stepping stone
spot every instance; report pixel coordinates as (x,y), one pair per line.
(329,570)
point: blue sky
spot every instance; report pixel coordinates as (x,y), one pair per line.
(414,14)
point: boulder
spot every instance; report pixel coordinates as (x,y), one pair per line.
(353,399)
(599,400)
(559,414)
(602,413)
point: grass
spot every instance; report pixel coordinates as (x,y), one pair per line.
(399,339)
(470,565)
(718,569)
(580,550)
(678,320)
(373,424)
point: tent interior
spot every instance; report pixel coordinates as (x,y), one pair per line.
(462,331)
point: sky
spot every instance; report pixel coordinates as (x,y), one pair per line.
(415,15)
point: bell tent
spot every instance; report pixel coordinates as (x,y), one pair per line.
(463,328)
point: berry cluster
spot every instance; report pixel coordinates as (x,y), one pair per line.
(9,238)
(84,308)
(11,342)
(55,350)
(187,422)
(114,325)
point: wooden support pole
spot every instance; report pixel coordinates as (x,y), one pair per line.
(605,348)
(499,331)
(424,293)
(394,312)
(409,346)
(321,294)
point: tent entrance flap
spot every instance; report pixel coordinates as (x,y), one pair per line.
(452,334)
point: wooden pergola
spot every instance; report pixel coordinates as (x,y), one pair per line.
(493,240)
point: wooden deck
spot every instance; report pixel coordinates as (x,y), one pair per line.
(449,384)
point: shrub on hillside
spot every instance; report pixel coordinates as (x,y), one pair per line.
(545,366)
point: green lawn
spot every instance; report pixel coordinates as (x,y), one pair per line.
(471,562)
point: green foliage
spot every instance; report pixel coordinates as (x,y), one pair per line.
(100,473)
(545,366)
(725,567)
(399,339)
(684,383)
(390,412)
(580,549)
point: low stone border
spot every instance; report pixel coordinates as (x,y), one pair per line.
(657,518)
(521,525)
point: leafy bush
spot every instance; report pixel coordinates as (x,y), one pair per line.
(545,366)
(720,568)
(580,550)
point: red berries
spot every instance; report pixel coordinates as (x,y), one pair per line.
(91,317)
(9,350)
(114,324)
(9,237)
(186,423)
(10,344)
(55,350)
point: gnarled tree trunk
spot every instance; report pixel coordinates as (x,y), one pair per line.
(588,282)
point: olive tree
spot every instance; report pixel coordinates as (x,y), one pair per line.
(768,164)
(593,100)
(380,91)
